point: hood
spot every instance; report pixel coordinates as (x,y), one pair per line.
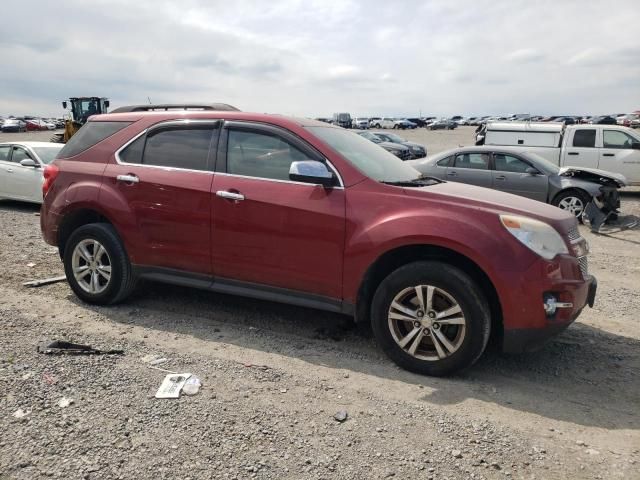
(488,200)
(594,175)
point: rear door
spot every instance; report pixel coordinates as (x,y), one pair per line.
(267,229)
(510,175)
(471,168)
(165,178)
(618,156)
(580,149)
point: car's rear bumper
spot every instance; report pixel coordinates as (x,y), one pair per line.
(526,323)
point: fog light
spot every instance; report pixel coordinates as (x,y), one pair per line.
(551,304)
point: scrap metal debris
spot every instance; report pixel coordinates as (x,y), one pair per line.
(44,281)
(60,347)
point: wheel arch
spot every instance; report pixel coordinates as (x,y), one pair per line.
(76,219)
(397,257)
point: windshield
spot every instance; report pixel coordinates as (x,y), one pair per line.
(395,138)
(543,164)
(369,158)
(370,136)
(47,154)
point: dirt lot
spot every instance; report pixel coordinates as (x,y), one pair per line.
(275,375)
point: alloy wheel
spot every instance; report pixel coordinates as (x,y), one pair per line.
(427,322)
(91,266)
(573,205)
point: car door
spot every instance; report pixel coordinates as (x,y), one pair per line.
(5,164)
(510,175)
(23,183)
(618,156)
(471,168)
(164,178)
(267,229)
(581,150)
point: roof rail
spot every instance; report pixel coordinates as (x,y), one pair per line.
(176,106)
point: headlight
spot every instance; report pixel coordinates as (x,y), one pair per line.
(538,236)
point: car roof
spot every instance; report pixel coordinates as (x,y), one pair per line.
(276,119)
(527,126)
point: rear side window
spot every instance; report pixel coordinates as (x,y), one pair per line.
(584,138)
(178,148)
(90,134)
(477,161)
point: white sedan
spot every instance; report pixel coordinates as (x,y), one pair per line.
(21,167)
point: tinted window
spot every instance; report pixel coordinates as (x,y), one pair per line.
(4,153)
(617,139)
(178,147)
(133,152)
(584,138)
(478,161)
(445,162)
(507,163)
(19,154)
(90,134)
(260,155)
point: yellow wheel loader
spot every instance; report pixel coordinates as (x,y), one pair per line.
(81,109)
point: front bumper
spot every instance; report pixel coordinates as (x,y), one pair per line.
(526,324)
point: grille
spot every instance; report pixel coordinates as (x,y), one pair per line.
(573,234)
(584,266)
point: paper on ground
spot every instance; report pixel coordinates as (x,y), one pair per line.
(171,385)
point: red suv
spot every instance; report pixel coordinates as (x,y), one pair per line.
(307,213)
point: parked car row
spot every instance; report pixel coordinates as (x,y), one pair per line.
(24,124)
(400,147)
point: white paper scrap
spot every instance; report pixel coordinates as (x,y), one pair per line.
(171,385)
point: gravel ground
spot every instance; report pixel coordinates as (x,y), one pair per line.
(274,376)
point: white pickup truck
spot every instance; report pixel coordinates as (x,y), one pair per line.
(605,147)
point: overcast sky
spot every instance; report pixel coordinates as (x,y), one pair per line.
(312,58)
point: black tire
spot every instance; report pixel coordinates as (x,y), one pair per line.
(457,284)
(57,138)
(583,196)
(122,280)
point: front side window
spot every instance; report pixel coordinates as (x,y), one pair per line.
(178,147)
(508,163)
(584,138)
(617,139)
(477,161)
(19,154)
(262,155)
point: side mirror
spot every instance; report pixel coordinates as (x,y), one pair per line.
(532,171)
(312,171)
(635,145)
(106,104)
(64,105)
(27,162)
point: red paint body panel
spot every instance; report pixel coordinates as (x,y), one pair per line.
(307,238)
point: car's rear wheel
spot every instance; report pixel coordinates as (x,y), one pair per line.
(573,201)
(431,318)
(97,266)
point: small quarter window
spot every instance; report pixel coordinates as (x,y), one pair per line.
(445,162)
(133,152)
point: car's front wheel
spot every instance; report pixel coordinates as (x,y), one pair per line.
(97,266)
(573,201)
(431,318)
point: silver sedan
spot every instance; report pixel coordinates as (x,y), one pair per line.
(21,166)
(523,173)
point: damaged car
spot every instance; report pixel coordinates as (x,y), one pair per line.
(529,175)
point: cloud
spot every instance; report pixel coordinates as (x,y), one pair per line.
(313,57)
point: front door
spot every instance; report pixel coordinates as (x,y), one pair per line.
(616,155)
(510,175)
(165,180)
(267,229)
(23,183)
(471,168)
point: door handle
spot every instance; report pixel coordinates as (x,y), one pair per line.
(573,153)
(230,195)
(128,178)
(608,154)
(452,174)
(500,177)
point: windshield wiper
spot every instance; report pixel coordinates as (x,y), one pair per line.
(421,181)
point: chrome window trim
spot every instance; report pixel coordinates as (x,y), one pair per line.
(340,187)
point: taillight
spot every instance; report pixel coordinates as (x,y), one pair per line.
(50,173)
